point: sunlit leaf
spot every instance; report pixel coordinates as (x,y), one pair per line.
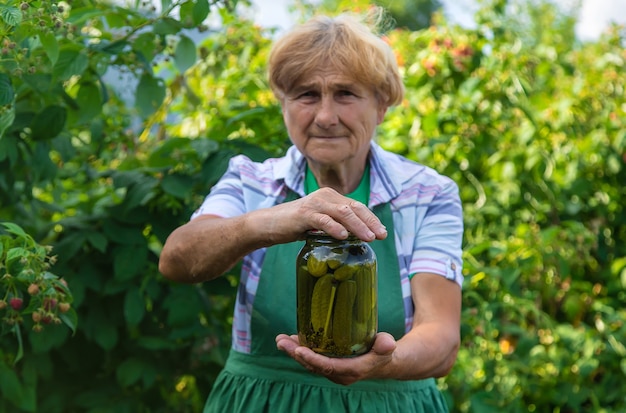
(12,16)
(71,62)
(149,95)
(185,54)
(89,101)
(200,11)
(144,44)
(50,45)
(167,26)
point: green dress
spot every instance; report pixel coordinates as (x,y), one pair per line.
(269,381)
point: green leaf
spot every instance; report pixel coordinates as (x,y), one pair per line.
(48,123)
(125,179)
(134,306)
(70,63)
(50,45)
(167,26)
(145,45)
(155,343)
(185,55)
(15,229)
(204,147)
(70,244)
(29,376)
(162,156)
(10,385)
(114,48)
(20,343)
(70,319)
(106,335)
(39,82)
(140,193)
(177,185)
(430,124)
(165,4)
(81,15)
(53,336)
(43,167)
(7,116)
(122,234)
(7,94)
(183,305)
(12,16)
(129,371)
(128,261)
(149,95)
(98,241)
(186,13)
(484,402)
(14,255)
(89,101)
(200,11)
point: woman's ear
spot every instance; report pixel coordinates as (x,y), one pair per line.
(380,115)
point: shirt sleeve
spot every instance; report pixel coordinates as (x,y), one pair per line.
(226,197)
(439,237)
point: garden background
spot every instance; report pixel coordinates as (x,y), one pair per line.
(529,121)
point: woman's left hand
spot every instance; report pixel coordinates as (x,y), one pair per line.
(343,371)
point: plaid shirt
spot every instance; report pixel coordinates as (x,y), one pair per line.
(426,210)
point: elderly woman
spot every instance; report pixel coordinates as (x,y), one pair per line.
(335,79)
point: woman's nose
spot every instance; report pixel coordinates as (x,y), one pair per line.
(326,114)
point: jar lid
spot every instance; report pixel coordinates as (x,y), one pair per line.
(318,233)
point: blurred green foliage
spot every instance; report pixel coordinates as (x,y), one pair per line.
(530,122)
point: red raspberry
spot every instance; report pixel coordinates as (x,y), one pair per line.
(16,303)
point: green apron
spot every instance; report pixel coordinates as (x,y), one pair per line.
(269,381)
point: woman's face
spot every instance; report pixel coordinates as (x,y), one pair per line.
(331,118)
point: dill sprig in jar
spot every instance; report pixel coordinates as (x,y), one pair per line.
(337,295)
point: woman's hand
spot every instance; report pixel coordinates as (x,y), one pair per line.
(343,371)
(326,210)
(428,349)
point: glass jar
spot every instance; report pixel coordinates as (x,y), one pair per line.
(337,295)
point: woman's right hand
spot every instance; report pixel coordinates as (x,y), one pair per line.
(326,210)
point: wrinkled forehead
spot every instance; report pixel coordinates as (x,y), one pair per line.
(330,71)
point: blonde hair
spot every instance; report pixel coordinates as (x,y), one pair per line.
(345,43)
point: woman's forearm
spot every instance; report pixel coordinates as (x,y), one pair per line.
(427,351)
(207,247)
